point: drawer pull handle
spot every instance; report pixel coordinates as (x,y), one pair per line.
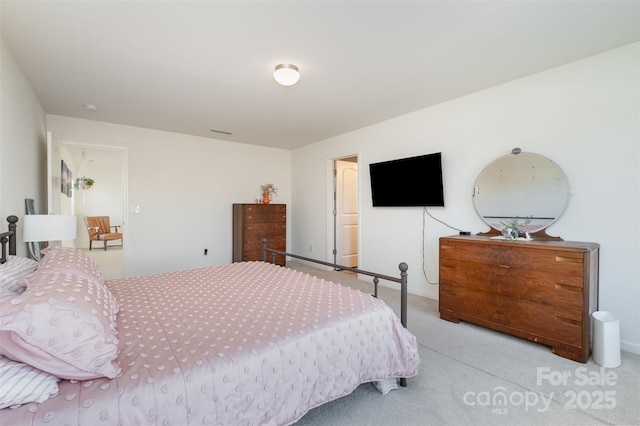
(568,259)
(504,266)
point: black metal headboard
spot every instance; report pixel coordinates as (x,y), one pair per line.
(9,238)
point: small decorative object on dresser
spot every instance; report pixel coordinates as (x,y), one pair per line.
(544,291)
(268,191)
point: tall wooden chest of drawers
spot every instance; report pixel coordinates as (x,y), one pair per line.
(544,291)
(252,223)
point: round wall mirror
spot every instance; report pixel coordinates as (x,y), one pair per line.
(522,185)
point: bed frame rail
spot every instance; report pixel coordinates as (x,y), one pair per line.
(9,238)
(376,276)
(376,279)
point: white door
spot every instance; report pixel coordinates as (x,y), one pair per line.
(347,213)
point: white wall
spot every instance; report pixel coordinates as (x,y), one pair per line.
(584,116)
(184,186)
(22,145)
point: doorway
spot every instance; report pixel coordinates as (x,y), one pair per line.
(106,165)
(345,211)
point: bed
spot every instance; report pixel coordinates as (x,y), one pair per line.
(246,343)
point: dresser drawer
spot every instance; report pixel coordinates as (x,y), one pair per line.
(263,230)
(525,258)
(549,321)
(259,209)
(542,287)
(260,218)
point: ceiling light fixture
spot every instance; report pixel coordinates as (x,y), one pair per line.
(90,107)
(286,74)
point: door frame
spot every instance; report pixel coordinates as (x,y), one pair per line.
(125,183)
(332,231)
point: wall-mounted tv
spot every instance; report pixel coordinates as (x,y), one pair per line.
(408,182)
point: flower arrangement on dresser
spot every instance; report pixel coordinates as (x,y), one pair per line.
(268,191)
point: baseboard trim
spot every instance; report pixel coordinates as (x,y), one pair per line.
(634,348)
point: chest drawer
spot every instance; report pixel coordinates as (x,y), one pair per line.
(260,213)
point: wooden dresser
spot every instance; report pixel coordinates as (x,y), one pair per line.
(252,223)
(544,291)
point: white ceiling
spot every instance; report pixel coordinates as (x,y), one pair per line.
(190,66)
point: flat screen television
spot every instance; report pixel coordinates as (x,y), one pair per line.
(408,182)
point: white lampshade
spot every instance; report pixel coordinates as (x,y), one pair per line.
(49,227)
(286,74)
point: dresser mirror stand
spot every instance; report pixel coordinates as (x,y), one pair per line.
(542,289)
(522,185)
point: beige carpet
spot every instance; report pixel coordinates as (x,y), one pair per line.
(474,376)
(110,261)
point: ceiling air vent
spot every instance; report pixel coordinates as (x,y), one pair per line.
(223,132)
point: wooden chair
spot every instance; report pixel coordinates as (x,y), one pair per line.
(99,229)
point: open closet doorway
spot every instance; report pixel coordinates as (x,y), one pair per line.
(106,166)
(345,212)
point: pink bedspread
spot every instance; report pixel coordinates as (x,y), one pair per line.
(246,343)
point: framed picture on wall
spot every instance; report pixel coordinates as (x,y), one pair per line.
(64,187)
(66,179)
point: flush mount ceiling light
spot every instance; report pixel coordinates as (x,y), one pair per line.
(286,74)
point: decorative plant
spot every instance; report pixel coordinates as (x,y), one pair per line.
(517,224)
(269,189)
(83,183)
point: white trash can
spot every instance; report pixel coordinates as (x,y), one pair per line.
(606,339)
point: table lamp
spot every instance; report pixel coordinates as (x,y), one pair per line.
(49,227)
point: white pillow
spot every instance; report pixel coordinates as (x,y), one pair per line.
(14,270)
(22,384)
(6,295)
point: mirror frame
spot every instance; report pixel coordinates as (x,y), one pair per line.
(563,185)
